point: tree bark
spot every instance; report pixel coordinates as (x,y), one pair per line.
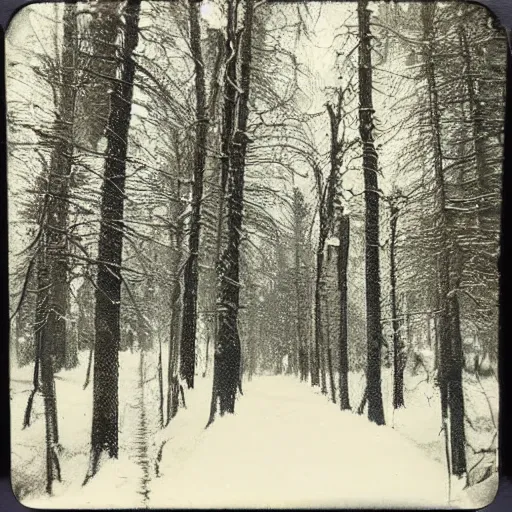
(329,351)
(370,170)
(398,349)
(455,389)
(45,361)
(300,294)
(190,281)
(488,210)
(450,350)
(176,236)
(57,204)
(234,136)
(160,385)
(100,64)
(228,124)
(344,236)
(52,259)
(316,362)
(104,436)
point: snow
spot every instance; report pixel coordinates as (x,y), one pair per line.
(74,406)
(287,446)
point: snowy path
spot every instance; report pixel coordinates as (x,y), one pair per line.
(287,446)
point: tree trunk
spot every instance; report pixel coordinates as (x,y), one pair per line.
(160,385)
(57,204)
(329,351)
(228,123)
(488,209)
(176,236)
(436,343)
(455,389)
(44,358)
(398,349)
(316,361)
(299,288)
(190,281)
(100,64)
(234,136)
(207,354)
(372,247)
(323,363)
(104,436)
(72,346)
(173,383)
(450,350)
(52,259)
(344,236)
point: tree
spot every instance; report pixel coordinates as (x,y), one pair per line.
(189,319)
(343,252)
(104,434)
(235,139)
(326,191)
(371,187)
(451,359)
(52,254)
(177,209)
(398,348)
(300,213)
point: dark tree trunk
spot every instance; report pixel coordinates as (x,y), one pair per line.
(228,124)
(104,436)
(436,343)
(326,214)
(100,68)
(443,264)
(450,350)
(323,357)
(207,355)
(344,236)
(52,258)
(173,383)
(488,211)
(300,295)
(329,350)
(455,389)
(316,361)
(57,204)
(227,351)
(372,247)
(176,236)
(190,281)
(44,360)
(398,349)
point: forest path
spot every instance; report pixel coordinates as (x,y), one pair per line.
(288,446)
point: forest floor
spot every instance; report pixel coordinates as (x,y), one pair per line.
(287,446)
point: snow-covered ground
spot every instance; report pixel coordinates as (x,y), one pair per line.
(117,486)
(287,446)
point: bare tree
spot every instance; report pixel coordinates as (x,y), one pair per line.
(371,186)
(189,320)
(105,429)
(227,350)
(450,354)
(343,252)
